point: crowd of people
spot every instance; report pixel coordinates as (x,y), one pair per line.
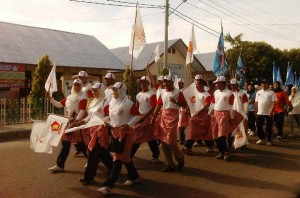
(161,116)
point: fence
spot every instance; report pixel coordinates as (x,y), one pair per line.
(20,110)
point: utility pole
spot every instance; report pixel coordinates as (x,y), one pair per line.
(166,35)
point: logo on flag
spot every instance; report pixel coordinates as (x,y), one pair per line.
(193,99)
(55,127)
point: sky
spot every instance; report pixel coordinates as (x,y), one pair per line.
(276,22)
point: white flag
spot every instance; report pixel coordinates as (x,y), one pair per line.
(238,106)
(190,95)
(156,51)
(191,47)
(176,82)
(138,39)
(240,137)
(51,81)
(94,121)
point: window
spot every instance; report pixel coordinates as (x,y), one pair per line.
(172,50)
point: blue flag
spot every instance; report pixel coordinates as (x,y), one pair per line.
(219,68)
(275,71)
(240,70)
(289,76)
(279,79)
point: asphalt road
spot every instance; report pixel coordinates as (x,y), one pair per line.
(259,171)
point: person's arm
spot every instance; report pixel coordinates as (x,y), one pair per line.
(181,100)
(53,101)
(151,77)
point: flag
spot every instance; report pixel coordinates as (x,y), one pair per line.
(240,70)
(156,51)
(138,39)
(190,94)
(218,65)
(289,75)
(44,135)
(51,81)
(278,77)
(94,121)
(275,71)
(240,137)
(298,83)
(192,47)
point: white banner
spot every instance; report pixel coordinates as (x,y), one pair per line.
(94,121)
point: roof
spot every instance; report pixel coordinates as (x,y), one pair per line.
(25,44)
(206,59)
(145,58)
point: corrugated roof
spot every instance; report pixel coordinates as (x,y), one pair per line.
(206,59)
(143,58)
(25,44)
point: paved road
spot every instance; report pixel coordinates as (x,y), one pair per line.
(259,171)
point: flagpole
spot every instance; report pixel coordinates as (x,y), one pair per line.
(130,72)
(166,35)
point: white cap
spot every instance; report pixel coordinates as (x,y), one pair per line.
(145,78)
(82,74)
(78,81)
(233,81)
(198,77)
(180,80)
(161,78)
(119,85)
(110,75)
(220,79)
(97,85)
(170,78)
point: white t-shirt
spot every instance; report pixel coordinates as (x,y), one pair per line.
(265,101)
(221,99)
(144,101)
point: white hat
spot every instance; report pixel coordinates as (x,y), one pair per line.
(180,80)
(97,85)
(161,78)
(169,78)
(145,78)
(220,79)
(110,75)
(233,81)
(119,85)
(78,81)
(198,77)
(82,74)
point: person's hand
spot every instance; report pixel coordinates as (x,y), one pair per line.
(125,127)
(172,99)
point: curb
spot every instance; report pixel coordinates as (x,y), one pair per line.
(13,135)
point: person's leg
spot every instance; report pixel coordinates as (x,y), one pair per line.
(181,135)
(82,148)
(91,168)
(210,145)
(134,149)
(251,121)
(279,124)
(132,173)
(259,125)
(153,145)
(269,124)
(168,156)
(114,174)
(179,156)
(64,152)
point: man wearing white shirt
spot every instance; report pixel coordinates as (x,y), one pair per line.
(264,103)
(110,80)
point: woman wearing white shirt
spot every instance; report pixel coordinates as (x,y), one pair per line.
(123,115)
(98,135)
(295,101)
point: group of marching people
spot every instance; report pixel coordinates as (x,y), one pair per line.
(155,118)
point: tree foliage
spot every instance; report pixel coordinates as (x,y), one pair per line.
(258,58)
(37,93)
(133,88)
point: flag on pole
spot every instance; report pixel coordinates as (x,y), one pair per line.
(138,39)
(156,52)
(279,79)
(190,94)
(240,70)
(192,47)
(275,71)
(219,66)
(51,81)
(289,75)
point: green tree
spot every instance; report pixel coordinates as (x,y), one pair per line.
(37,93)
(133,88)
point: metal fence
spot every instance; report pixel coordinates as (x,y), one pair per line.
(20,111)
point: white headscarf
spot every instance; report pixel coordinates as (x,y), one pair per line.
(73,99)
(101,89)
(116,103)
